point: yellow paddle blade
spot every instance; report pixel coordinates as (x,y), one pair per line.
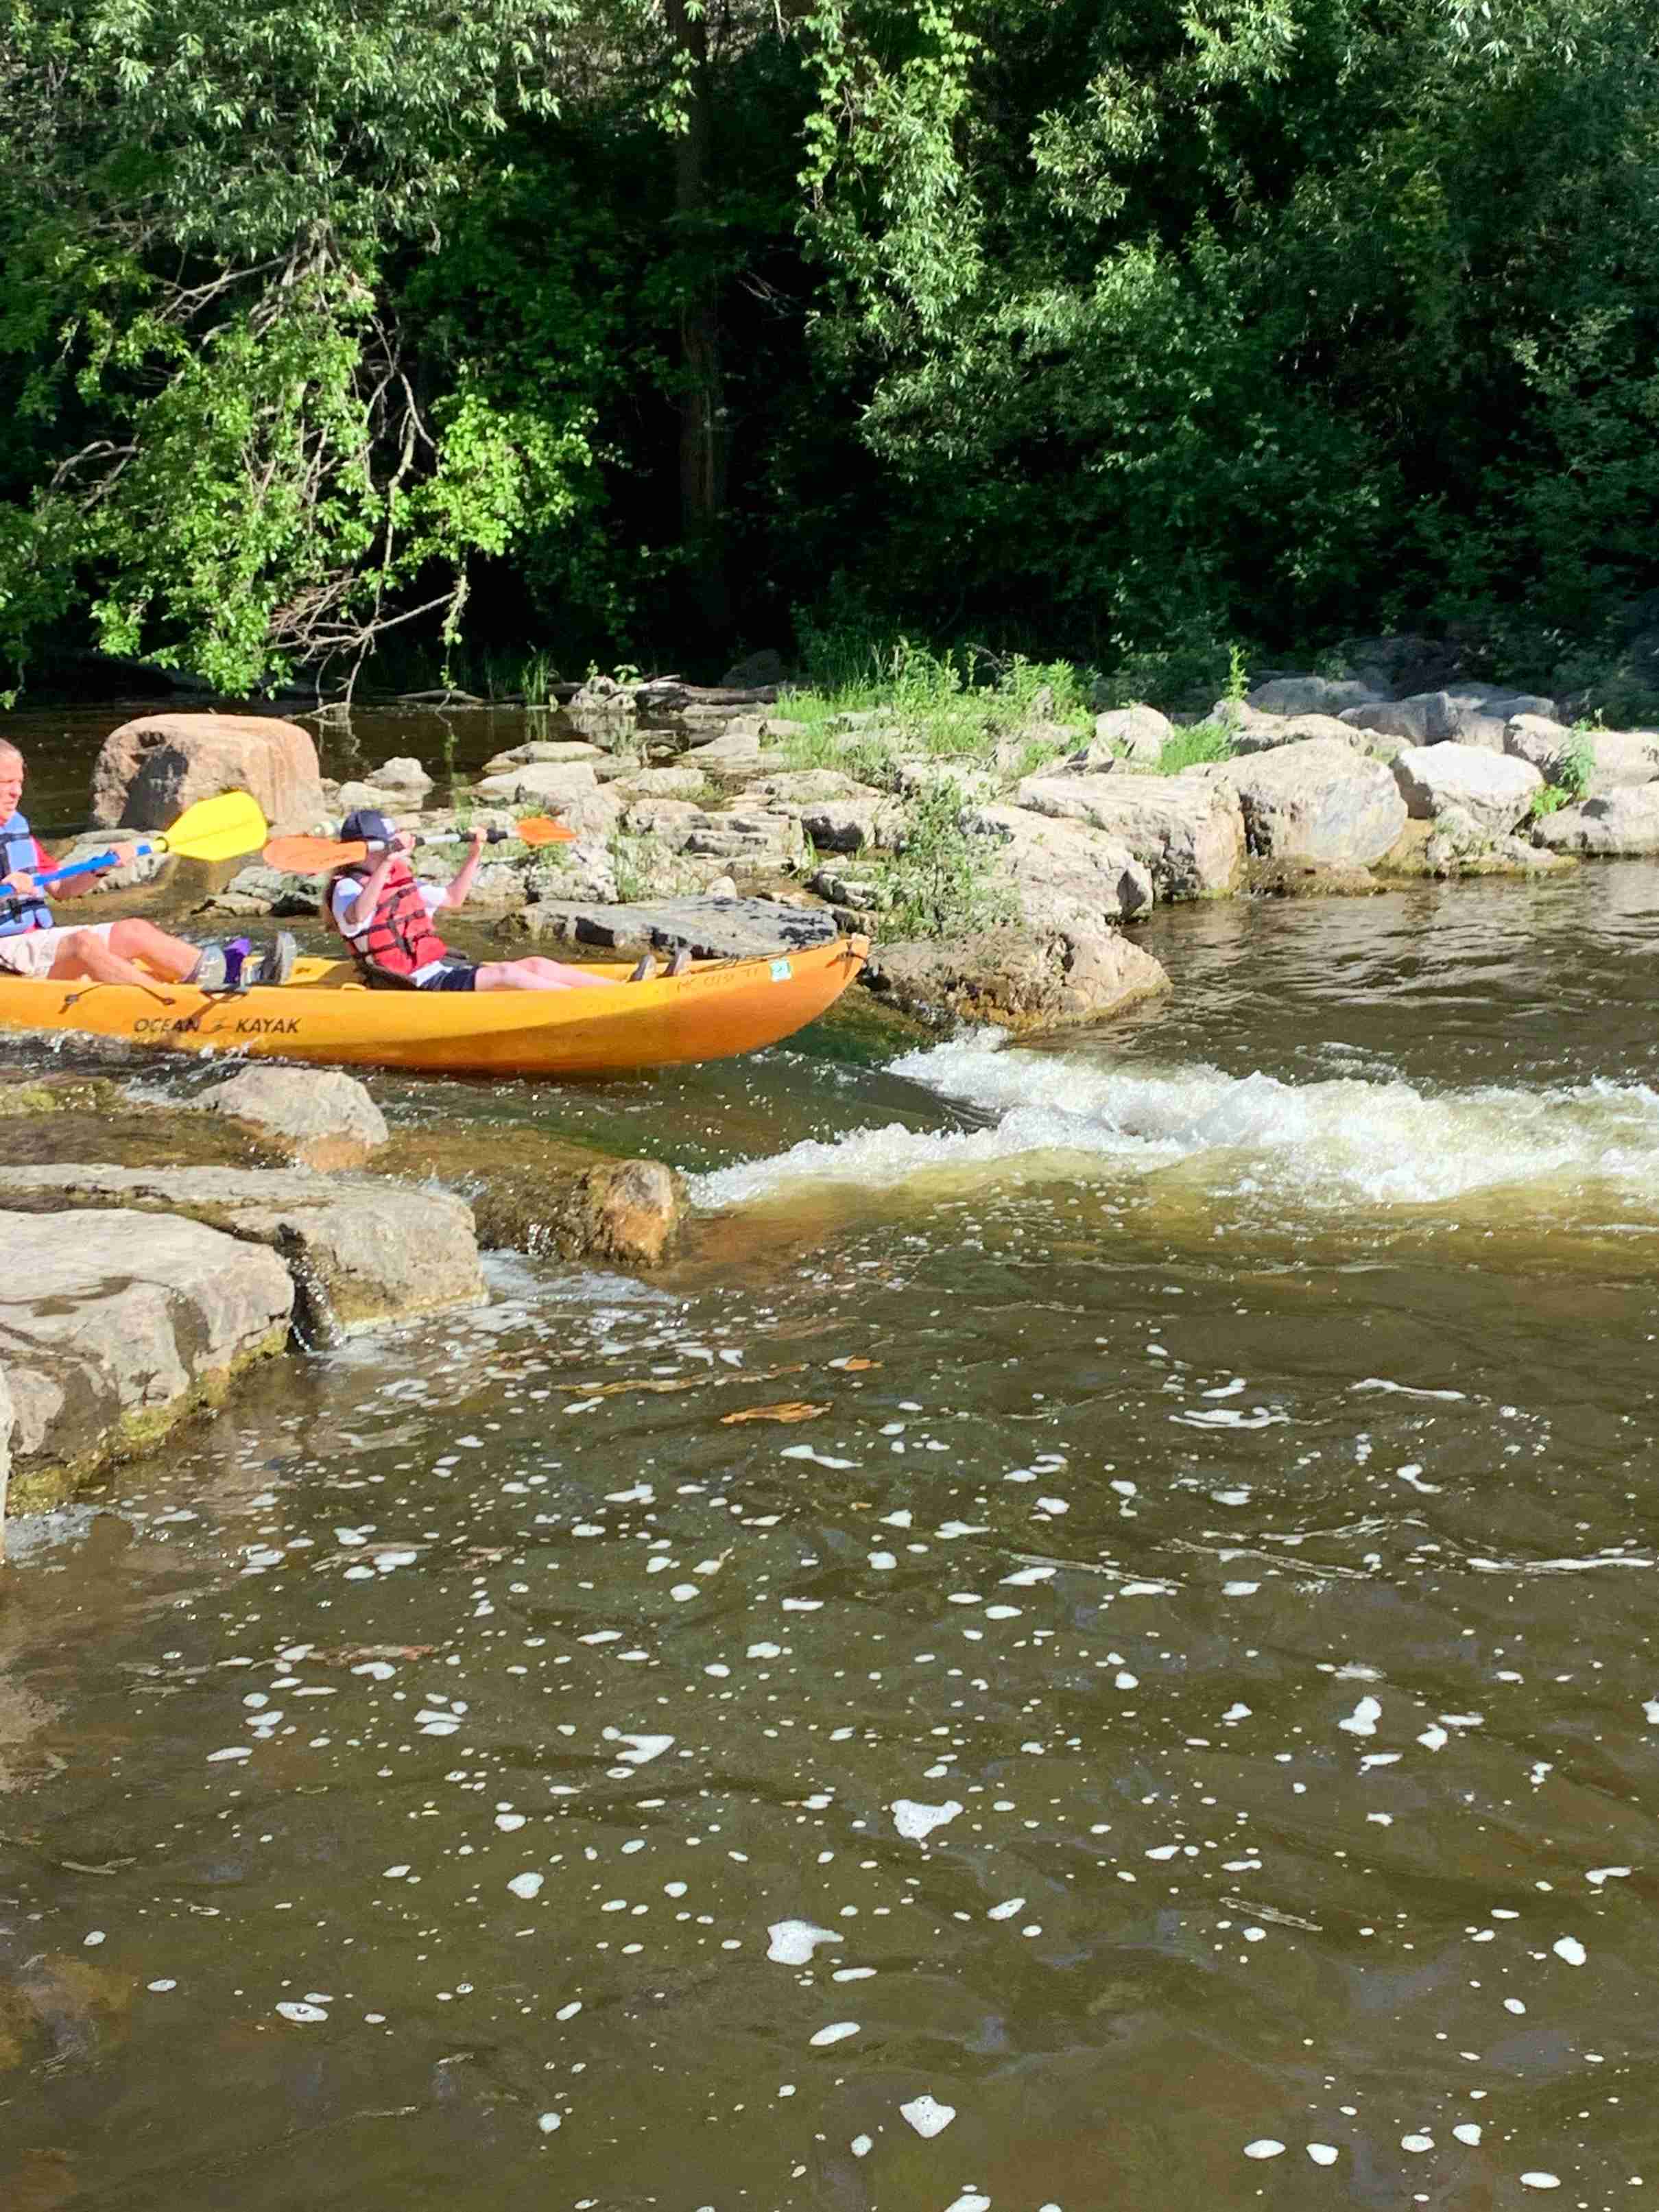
(221,829)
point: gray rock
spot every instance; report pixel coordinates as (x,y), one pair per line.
(1136,733)
(1506,705)
(709,929)
(603,699)
(761,671)
(1617,757)
(1492,791)
(403,809)
(1318,801)
(851,825)
(757,836)
(568,788)
(1309,695)
(1260,734)
(1430,718)
(1622,823)
(797,786)
(403,773)
(545,753)
(114,1325)
(735,748)
(1017,981)
(263,890)
(671,820)
(1185,830)
(687,783)
(1064,876)
(327,1119)
(361,1253)
(916,773)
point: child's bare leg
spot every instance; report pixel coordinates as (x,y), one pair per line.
(537,975)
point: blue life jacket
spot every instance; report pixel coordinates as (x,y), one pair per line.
(17,856)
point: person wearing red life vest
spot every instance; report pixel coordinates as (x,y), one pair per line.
(387,916)
(32,946)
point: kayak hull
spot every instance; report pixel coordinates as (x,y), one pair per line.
(718,1008)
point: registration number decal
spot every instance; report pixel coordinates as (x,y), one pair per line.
(782,971)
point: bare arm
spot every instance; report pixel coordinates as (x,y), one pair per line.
(461,882)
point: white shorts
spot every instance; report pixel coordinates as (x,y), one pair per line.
(32,952)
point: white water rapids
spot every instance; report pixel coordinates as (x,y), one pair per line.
(1324,1143)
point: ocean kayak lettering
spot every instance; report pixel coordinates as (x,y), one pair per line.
(249,1025)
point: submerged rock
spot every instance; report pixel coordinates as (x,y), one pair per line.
(1016,981)
(321,1118)
(115,1324)
(530,1192)
(362,1252)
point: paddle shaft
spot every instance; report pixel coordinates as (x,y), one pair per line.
(95,865)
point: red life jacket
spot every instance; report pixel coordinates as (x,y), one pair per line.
(399,937)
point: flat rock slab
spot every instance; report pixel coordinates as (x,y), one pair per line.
(1186,830)
(360,1253)
(114,1324)
(709,929)
(1496,791)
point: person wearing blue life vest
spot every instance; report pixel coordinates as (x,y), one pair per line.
(32,945)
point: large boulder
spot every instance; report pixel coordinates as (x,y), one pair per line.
(1430,718)
(1622,823)
(361,1253)
(154,767)
(1320,802)
(404,775)
(1494,791)
(1062,874)
(1015,980)
(1187,831)
(1309,695)
(113,1325)
(323,1118)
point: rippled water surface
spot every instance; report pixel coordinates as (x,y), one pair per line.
(1170,1724)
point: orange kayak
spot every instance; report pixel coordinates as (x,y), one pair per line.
(717,1008)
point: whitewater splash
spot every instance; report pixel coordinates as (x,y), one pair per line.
(1335,1143)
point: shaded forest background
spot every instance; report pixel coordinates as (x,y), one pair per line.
(645,332)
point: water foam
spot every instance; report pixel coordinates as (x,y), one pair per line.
(1329,1143)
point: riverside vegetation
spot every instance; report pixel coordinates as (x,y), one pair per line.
(337,342)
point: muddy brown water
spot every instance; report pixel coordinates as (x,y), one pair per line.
(1172,1726)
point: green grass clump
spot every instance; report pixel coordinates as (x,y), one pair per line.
(1188,748)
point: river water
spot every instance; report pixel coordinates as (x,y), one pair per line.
(1171,1725)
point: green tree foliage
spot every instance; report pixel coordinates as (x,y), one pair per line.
(620,325)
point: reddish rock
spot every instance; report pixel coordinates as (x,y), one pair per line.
(154,767)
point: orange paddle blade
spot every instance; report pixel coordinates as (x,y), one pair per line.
(542,830)
(309,856)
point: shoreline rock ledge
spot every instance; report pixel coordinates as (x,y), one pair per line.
(138,1295)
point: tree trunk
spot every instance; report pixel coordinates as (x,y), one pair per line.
(703,442)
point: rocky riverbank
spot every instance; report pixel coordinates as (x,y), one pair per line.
(996,860)
(154,1253)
